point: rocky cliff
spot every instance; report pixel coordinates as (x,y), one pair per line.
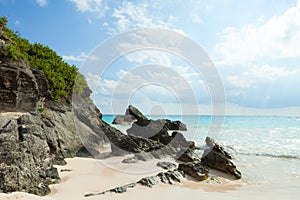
(21,88)
(44,133)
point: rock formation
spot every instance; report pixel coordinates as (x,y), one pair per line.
(196,170)
(217,158)
(131,114)
(156,129)
(21,88)
(166,177)
(44,135)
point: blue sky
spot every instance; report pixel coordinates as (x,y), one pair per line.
(253,44)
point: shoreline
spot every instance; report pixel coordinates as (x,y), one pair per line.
(89,175)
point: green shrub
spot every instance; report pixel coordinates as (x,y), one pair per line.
(60,75)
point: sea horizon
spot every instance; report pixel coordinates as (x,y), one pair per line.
(273,136)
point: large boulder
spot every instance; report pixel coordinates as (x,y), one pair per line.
(179,141)
(133,111)
(124,144)
(132,114)
(155,129)
(123,119)
(217,158)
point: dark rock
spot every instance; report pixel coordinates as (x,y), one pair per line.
(163,152)
(26,163)
(65,170)
(52,173)
(174,125)
(170,176)
(149,181)
(133,111)
(195,170)
(123,119)
(86,93)
(119,190)
(217,158)
(123,188)
(155,129)
(130,160)
(31,145)
(179,141)
(89,125)
(188,155)
(128,143)
(167,165)
(210,142)
(132,114)
(62,106)
(42,83)
(19,87)
(83,152)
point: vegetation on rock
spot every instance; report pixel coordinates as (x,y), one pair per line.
(60,75)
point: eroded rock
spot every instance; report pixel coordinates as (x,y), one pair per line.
(217,158)
(167,165)
(196,170)
(131,114)
(188,155)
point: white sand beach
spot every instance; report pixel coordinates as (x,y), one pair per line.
(264,178)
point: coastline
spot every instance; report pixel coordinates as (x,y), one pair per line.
(264,178)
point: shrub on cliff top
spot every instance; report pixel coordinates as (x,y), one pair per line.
(60,75)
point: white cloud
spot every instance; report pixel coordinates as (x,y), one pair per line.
(90,6)
(264,86)
(42,3)
(150,57)
(269,72)
(241,82)
(277,38)
(17,22)
(100,85)
(257,74)
(135,16)
(79,58)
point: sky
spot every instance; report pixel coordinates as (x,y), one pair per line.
(253,45)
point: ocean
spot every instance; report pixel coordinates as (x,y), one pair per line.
(266,149)
(269,136)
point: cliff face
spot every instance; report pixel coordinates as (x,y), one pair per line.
(36,140)
(30,146)
(21,88)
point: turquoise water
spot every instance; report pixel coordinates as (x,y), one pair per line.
(252,135)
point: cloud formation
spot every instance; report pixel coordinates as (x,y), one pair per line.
(276,39)
(42,3)
(130,16)
(95,6)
